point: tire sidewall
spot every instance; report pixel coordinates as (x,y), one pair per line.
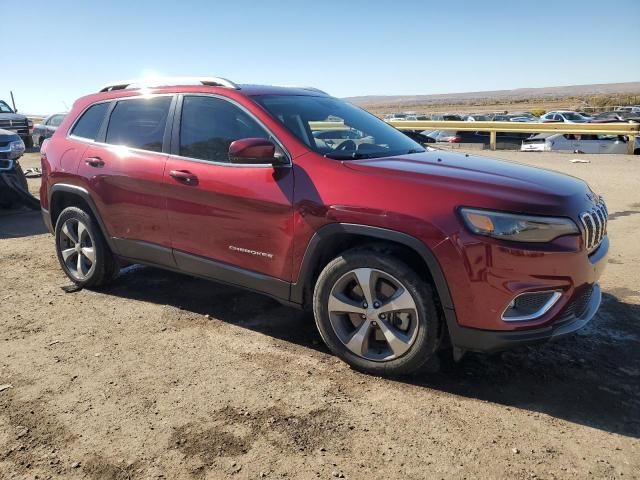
(428,335)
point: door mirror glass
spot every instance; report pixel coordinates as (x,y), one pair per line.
(253,151)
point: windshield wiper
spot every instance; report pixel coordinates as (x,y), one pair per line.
(347,155)
(416,150)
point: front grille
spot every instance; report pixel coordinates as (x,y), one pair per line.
(595,225)
(12,123)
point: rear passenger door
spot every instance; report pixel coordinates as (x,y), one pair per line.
(124,168)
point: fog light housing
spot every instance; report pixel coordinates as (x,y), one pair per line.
(530,305)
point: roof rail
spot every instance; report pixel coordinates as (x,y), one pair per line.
(301,87)
(169,82)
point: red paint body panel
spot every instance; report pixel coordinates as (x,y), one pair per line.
(248,208)
(278,210)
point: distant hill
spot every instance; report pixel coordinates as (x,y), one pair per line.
(499,96)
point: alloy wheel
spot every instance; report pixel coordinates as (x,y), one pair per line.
(77,248)
(373,314)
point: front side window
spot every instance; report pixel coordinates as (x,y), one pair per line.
(208,125)
(307,117)
(139,123)
(90,122)
(572,116)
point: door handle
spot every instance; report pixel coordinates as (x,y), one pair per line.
(184,176)
(94,162)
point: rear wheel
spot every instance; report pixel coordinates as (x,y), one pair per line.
(82,251)
(375,313)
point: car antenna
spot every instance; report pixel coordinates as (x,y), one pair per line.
(13,101)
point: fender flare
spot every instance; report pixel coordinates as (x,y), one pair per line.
(84,194)
(314,246)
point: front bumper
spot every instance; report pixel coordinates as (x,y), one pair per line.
(494,340)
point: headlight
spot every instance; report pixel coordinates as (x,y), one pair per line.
(16,145)
(515,227)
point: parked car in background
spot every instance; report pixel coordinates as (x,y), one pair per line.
(567,142)
(630,109)
(523,117)
(616,117)
(11,149)
(477,117)
(419,137)
(504,139)
(394,117)
(16,123)
(44,130)
(447,117)
(11,146)
(563,116)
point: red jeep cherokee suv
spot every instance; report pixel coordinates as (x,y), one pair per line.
(301,196)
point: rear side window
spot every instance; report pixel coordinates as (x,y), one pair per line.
(209,125)
(90,122)
(139,123)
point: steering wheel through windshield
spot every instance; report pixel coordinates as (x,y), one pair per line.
(346,146)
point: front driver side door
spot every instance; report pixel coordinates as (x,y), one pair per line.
(227,221)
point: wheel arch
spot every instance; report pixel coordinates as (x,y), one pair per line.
(334,238)
(63,195)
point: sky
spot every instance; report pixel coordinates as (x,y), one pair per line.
(66,49)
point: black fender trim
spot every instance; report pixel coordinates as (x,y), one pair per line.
(313,251)
(84,194)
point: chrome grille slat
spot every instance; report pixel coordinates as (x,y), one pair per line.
(595,225)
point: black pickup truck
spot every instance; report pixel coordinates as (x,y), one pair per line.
(14,122)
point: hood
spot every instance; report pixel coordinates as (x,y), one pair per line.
(523,187)
(12,116)
(8,136)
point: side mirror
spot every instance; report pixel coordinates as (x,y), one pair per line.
(253,151)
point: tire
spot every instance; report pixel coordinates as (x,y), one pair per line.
(415,330)
(77,230)
(28,142)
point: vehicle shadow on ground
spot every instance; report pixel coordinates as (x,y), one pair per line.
(591,378)
(21,222)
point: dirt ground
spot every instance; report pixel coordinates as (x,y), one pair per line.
(167,376)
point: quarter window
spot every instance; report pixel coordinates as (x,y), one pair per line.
(90,122)
(139,123)
(209,125)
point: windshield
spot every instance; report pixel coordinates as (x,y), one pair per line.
(4,108)
(357,134)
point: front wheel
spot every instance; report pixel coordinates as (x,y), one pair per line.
(374,312)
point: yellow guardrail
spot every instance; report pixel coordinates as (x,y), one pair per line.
(630,130)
